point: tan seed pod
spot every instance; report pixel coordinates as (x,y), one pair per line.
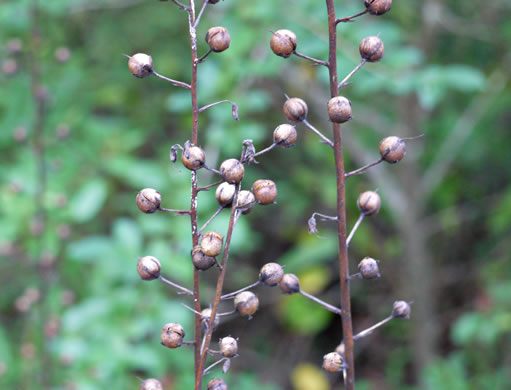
(283,43)
(151,384)
(211,244)
(369,203)
(271,274)
(368,268)
(218,39)
(217,384)
(265,191)
(246,201)
(246,303)
(148,267)
(290,284)
(339,109)
(401,309)
(371,49)
(172,335)
(284,135)
(232,171)
(229,347)
(148,200)
(333,362)
(140,65)
(193,157)
(225,193)
(392,149)
(295,109)
(200,260)
(206,315)
(378,7)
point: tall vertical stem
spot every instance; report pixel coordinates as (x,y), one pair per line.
(347,328)
(193,207)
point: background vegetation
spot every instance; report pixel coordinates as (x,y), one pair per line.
(74,313)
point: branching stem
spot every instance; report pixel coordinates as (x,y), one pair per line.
(344,81)
(265,150)
(311,59)
(371,329)
(175,285)
(355,227)
(350,18)
(197,21)
(174,82)
(365,167)
(318,133)
(210,219)
(233,294)
(327,306)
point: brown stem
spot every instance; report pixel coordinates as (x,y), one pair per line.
(182,6)
(174,82)
(203,57)
(175,285)
(314,60)
(347,327)
(350,18)
(371,329)
(327,306)
(318,133)
(352,233)
(210,219)
(206,188)
(219,286)
(178,212)
(265,150)
(200,14)
(234,293)
(362,169)
(344,81)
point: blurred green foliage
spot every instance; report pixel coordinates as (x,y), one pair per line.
(74,313)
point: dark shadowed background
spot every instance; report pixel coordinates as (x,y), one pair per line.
(79,136)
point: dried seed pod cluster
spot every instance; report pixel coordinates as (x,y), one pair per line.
(140,65)
(265,191)
(246,201)
(148,200)
(200,260)
(283,43)
(333,362)
(211,243)
(378,7)
(371,49)
(193,157)
(401,309)
(339,109)
(284,135)
(232,171)
(295,109)
(392,149)
(229,347)
(218,39)
(271,274)
(290,284)
(172,335)
(148,267)
(246,303)
(369,203)
(368,268)
(225,194)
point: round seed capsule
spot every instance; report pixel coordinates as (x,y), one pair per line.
(225,193)
(333,362)
(371,49)
(246,303)
(284,135)
(368,268)
(206,315)
(295,109)
(392,149)
(218,39)
(217,384)
(369,203)
(401,309)
(148,200)
(232,171)
(193,157)
(271,274)
(140,65)
(151,384)
(200,260)
(211,243)
(339,109)
(290,284)
(172,335)
(378,7)
(246,201)
(283,43)
(148,267)
(265,191)
(229,346)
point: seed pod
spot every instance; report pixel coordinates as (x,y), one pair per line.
(218,39)
(392,149)
(200,260)
(232,171)
(225,193)
(368,268)
(271,274)
(217,384)
(290,284)
(333,362)
(378,7)
(369,203)
(371,49)
(151,384)
(148,200)
(211,243)
(148,267)
(284,135)
(339,109)
(246,303)
(206,315)
(172,335)
(401,309)
(193,157)
(246,201)
(295,109)
(283,43)
(229,347)
(140,65)
(265,191)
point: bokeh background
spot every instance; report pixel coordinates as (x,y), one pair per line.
(80,136)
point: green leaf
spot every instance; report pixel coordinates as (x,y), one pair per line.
(89,200)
